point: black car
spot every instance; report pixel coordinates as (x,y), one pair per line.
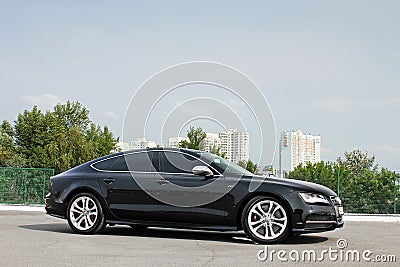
(184,188)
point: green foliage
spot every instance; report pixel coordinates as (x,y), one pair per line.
(6,148)
(60,139)
(72,114)
(7,128)
(24,186)
(248,165)
(358,162)
(196,137)
(363,189)
(217,151)
(8,151)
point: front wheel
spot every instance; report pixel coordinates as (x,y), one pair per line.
(85,214)
(265,220)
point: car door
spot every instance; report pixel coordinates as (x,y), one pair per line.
(122,178)
(185,197)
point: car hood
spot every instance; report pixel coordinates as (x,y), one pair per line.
(297,185)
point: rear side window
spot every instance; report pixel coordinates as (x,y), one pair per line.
(140,162)
(113,164)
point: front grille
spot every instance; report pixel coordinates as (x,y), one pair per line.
(318,225)
(317,217)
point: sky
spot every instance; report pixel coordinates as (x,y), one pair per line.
(329,68)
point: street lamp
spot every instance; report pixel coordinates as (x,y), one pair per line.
(395,184)
(338,182)
(283,142)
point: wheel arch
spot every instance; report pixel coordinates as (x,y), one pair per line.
(262,194)
(86,189)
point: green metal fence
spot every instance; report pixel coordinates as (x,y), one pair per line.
(383,200)
(24,185)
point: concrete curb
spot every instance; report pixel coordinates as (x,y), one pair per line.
(22,207)
(371,218)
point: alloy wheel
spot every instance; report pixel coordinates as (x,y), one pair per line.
(267,220)
(83,213)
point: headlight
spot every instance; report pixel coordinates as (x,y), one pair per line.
(312,198)
(336,201)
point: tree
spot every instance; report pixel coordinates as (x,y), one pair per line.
(357,161)
(101,141)
(31,137)
(363,188)
(78,139)
(72,114)
(248,165)
(217,151)
(251,167)
(195,136)
(7,128)
(7,147)
(8,150)
(62,138)
(324,173)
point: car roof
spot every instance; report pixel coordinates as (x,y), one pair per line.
(160,148)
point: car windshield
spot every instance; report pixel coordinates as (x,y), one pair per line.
(225,165)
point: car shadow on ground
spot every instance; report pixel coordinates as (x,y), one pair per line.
(154,232)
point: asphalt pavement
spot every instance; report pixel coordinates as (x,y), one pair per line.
(32,238)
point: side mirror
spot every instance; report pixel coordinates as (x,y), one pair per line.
(202,170)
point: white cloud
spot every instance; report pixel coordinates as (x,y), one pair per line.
(387,148)
(111,115)
(44,102)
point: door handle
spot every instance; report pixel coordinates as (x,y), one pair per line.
(162,181)
(109,180)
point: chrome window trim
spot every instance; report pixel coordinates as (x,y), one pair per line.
(145,151)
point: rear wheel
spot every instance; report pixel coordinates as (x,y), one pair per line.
(265,220)
(85,214)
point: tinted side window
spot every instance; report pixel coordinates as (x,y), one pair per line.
(118,164)
(174,162)
(113,164)
(140,162)
(102,165)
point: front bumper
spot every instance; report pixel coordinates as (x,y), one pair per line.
(312,218)
(318,219)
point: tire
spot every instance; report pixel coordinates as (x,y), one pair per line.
(85,214)
(266,220)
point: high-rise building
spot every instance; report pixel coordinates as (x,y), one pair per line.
(211,142)
(299,148)
(235,145)
(121,146)
(174,141)
(142,143)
